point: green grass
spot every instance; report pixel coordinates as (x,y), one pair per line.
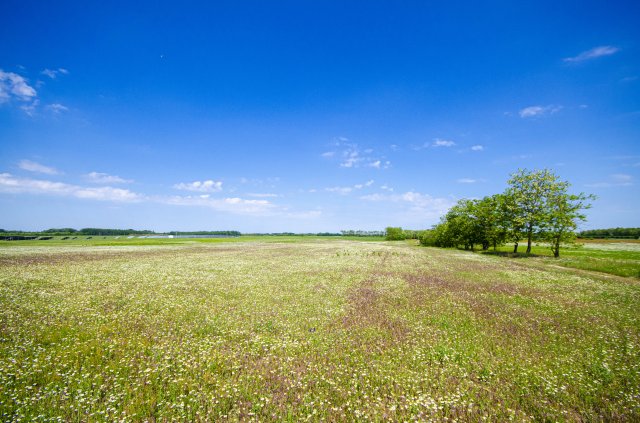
(621,259)
(315,330)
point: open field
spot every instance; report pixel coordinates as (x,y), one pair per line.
(123,240)
(620,258)
(310,329)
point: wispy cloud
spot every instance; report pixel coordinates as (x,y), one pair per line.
(467,181)
(262,195)
(200,186)
(14,86)
(57,108)
(30,166)
(615,180)
(418,203)
(237,205)
(53,73)
(105,178)
(438,142)
(231,204)
(269,182)
(340,190)
(348,189)
(594,53)
(366,184)
(30,108)
(350,155)
(477,147)
(11,184)
(538,111)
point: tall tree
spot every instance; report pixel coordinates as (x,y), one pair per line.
(528,191)
(563,213)
(488,213)
(511,220)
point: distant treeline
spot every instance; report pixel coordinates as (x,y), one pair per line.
(96,231)
(227,233)
(628,233)
(341,233)
(362,233)
(121,232)
(111,232)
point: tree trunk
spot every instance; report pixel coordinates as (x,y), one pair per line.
(556,248)
(529,236)
(495,245)
(515,248)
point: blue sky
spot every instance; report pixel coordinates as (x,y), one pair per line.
(310,116)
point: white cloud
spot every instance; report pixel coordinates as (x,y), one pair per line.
(366,184)
(352,156)
(418,203)
(57,108)
(593,54)
(537,111)
(386,187)
(235,205)
(232,204)
(467,181)
(262,195)
(615,180)
(340,190)
(106,194)
(53,73)
(269,182)
(30,108)
(442,143)
(30,166)
(348,190)
(15,86)
(437,143)
(11,184)
(477,147)
(104,178)
(200,186)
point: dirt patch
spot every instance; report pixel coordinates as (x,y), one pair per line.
(368,307)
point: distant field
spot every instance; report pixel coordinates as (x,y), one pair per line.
(124,240)
(293,329)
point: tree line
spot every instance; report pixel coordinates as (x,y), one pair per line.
(628,233)
(536,206)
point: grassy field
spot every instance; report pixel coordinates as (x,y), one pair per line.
(620,258)
(311,329)
(124,241)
